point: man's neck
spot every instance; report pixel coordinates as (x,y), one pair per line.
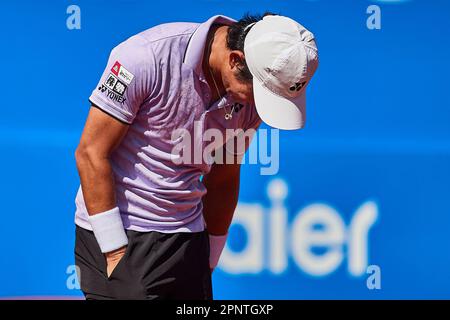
(215,51)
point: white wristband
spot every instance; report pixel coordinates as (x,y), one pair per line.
(108,230)
(216,245)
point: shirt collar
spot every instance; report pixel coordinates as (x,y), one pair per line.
(196,45)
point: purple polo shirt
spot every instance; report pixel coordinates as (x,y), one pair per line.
(154,82)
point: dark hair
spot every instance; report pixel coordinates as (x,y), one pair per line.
(236,37)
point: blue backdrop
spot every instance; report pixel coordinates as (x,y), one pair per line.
(365,186)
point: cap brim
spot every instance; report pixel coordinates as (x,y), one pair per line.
(279,112)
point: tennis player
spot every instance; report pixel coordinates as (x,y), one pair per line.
(149,227)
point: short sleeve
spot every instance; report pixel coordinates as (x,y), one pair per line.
(127,80)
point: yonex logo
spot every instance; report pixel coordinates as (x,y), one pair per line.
(102,88)
(115,93)
(297,86)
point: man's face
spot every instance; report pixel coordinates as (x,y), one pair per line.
(238,89)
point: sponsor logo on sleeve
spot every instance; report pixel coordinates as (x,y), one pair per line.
(111,81)
(119,88)
(122,73)
(125,75)
(113,88)
(115,68)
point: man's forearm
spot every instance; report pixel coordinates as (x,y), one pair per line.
(97,182)
(101,135)
(219,204)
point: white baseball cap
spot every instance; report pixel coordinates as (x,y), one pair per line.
(282,56)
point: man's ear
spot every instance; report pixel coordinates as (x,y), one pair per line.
(236,59)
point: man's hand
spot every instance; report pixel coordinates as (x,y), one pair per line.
(113,258)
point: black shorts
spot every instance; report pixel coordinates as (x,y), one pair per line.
(155,266)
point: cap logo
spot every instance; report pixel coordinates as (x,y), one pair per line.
(297,86)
